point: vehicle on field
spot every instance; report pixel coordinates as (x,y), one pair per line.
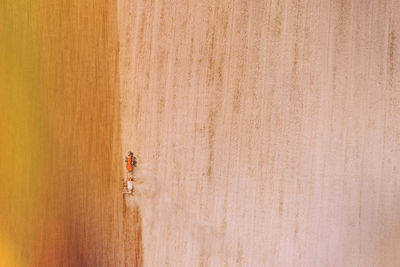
(130,161)
(128,186)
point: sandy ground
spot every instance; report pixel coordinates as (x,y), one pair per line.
(267,132)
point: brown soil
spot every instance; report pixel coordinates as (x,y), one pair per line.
(267,134)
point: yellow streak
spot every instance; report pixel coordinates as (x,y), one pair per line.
(22,131)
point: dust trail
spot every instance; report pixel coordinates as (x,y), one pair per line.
(132,216)
(145,185)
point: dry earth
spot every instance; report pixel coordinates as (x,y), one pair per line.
(60,201)
(267,132)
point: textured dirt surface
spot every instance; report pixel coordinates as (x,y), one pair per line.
(267,132)
(60,202)
(83,218)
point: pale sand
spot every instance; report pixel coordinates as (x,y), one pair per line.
(267,132)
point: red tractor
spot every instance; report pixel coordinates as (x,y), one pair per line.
(130,161)
(127,183)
